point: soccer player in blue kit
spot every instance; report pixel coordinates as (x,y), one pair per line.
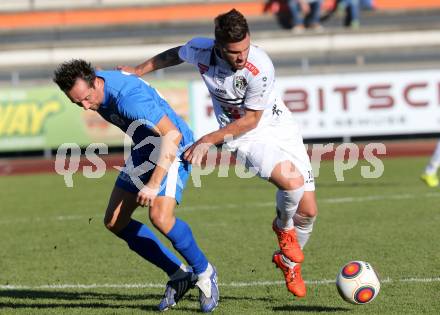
(153,176)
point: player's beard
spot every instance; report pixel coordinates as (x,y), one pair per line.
(94,107)
(240,67)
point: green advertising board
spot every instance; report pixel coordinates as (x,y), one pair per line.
(38,118)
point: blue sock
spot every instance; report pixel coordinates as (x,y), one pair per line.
(183,241)
(142,240)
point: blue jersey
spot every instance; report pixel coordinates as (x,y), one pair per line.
(128,98)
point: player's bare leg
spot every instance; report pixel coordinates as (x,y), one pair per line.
(141,240)
(162,213)
(119,210)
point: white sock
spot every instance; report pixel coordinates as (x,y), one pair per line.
(302,237)
(207,273)
(204,281)
(287,204)
(303,228)
(434,163)
(284,225)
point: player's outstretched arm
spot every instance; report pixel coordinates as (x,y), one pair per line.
(165,59)
(195,153)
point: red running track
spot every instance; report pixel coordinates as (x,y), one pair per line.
(39,165)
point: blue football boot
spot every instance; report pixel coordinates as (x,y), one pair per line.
(175,290)
(208,292)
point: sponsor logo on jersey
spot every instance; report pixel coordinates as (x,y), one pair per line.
(254,70)
(240,82)
(219,77)
(202,68)
(220,91)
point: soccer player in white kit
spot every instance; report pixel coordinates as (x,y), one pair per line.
(430,175)
(255,125)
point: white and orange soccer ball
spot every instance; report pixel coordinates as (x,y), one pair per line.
(357,282)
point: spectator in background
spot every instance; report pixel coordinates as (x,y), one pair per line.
(349,9)
(430,175)
(367,5)
(305,13)
(280,9)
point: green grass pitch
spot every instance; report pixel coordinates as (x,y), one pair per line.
(56,256)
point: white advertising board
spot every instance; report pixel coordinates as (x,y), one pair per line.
(346,105)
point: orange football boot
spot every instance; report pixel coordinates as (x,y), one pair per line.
(294,282)
(288,244)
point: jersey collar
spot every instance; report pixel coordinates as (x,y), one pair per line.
(215,59)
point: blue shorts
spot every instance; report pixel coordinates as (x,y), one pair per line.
(132,177)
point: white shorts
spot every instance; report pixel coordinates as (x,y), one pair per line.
(263,157)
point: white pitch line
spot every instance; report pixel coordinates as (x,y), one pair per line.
(341,200)
(421,280)
(372,198)
(225,285)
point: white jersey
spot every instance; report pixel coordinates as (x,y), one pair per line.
(277,137)
(232,92)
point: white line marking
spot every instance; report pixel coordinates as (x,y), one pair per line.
(226,285)
(421,280)
(341,200)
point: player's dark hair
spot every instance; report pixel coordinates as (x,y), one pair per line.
(230,27)
(66,74)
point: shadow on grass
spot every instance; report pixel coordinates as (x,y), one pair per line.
(36,299)
(73,305)
(62,295)
(41,299)
(309,308)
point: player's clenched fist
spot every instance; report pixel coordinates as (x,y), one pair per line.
(146,196)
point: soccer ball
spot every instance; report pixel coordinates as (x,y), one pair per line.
(357,282)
